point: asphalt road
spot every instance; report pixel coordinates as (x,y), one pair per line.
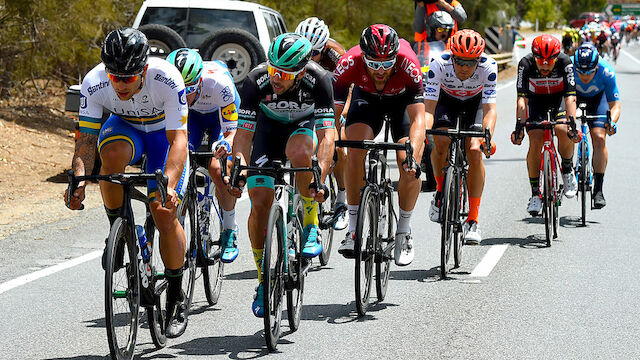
(575,300)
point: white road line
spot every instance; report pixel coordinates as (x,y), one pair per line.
(6,286)
(489,260)
(630,56)
(24,279)
(505,85)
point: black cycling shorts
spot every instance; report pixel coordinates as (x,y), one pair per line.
(538,110)
(449,110)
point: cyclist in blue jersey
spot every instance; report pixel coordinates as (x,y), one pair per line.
(213,106)
(596,87)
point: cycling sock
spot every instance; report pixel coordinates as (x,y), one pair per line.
(535,186)
(342,196)
(229,219)
(112,214)
(257,257)
(439,181)
(567,165)
(310,211)
(598,180)
(174,279)
(404,222)
(474,206)
(353,217)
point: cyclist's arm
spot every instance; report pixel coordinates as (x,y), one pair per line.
(178,149)
(326,138)
(490,113)
(430,110)
(615,108)
(247,120)
(570,106)
(324,117)
(522,103)
(418,128)
(521,108)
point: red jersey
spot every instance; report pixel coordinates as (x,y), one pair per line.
(405,79)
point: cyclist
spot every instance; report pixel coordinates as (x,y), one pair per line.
(425,8)
(283,100)
(146,97)
(327,52)
(213,106)
(596,87)
(462,84)
(570,40)
(388,81)
(545,79)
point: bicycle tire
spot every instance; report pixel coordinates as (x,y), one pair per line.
(273,277)
(295,290)
(458,244)
(188,222)
(547,203)
(156,314)
(121,234)
(449,218)
(364,249)
(583,183)
(383,261)
(326,209)
(212,268)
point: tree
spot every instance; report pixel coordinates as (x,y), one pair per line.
(570,9)
(544,11)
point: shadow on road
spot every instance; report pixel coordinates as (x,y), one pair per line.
(420,275)
(575,222)
(245,275)
(236,347)
(535,241)
(342,313)
(81,357)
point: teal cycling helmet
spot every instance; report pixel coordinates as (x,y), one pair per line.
(188,62)
(290,51)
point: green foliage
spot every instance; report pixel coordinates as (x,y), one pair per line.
(545,11)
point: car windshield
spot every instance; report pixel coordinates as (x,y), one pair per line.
(201,22)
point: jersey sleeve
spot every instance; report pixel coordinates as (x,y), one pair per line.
(175,101)
(489,82)
(90,110)
(434,78)
(610,85)
(228,103)
(250,105)
(411,65)
(522,81)
(342,76)
(324,109)
(568,76)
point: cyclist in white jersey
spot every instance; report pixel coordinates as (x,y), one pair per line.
(462,82)
(213,106)
(147,101)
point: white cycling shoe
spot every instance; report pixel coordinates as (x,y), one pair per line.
(403,250)
(471,233)
(535,205)
(346,248)
(434,210)
(570,184)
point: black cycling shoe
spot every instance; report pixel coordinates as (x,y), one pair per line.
(598,200)
(177,314)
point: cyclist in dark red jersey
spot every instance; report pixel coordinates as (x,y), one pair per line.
(388,82)
(545,81)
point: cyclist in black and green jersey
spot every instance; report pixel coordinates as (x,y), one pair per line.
(287,112)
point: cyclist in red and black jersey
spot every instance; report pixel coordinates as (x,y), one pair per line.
(387,81)
(545,82)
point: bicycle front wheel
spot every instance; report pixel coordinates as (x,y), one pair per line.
(548,197)
(463,199)
(364,246)
(295,278)
(122,290)
(449,211)
(188,221)
(273,277)
(583,182)
(326,214)
(386,230)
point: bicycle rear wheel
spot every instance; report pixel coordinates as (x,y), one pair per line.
(273,277)
(386,231)
(326,211)
(188,221)
(583,182)
(548,198)
(122,290)
(463,198)
(364,242)
(156,314)
(295,278)
(449,219)
(210,248)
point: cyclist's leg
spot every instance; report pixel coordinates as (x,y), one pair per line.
(536,138)
(600,152)
(476,176)
(565,145)
(443,118)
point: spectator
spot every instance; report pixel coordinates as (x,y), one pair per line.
(424,9)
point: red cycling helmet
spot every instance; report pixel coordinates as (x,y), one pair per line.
(546,47)
(379,41)
(466,43)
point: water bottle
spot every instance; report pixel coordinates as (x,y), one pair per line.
(144,244)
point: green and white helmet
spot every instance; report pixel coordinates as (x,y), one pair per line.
(290,51)
(188,62)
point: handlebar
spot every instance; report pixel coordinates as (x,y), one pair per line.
(374,145)
(277,169)
(461,134)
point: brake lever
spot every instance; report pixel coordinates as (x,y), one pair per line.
(163,183)
(73,186)
(234,172)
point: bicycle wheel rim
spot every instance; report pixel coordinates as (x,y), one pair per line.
(156,314)
(326,209)
(212,271)
(548,198)
(188,222)
(295,279)
(383,264)
(272,277)
(363,246)
(122,291)
(458,243)
(583,182)
(448,220)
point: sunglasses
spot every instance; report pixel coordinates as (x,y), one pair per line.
(441,30)
(191,88)
(284,75)
(586,72)
(375,65)
(127,79)
(462,62)
(314,52)
(541,61)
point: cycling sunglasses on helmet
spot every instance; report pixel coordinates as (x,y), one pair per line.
(191,88)
(462,62)
(127,79)
(282,74)
(375,65)
(542,61)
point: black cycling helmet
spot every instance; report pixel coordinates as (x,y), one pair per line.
(379,41)
(440,19)
(125,51)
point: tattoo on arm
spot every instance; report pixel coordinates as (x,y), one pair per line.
(85,154)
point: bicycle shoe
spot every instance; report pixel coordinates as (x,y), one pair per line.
(119,256)
(347,245)
(471,233)
(341,221)
(570,184)
(403,251)
(229,240)
(257,307)
(311,237)
(535,205)
(177,314)
(598,200)
(434,211)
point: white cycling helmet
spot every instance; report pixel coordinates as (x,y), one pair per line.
(315,30)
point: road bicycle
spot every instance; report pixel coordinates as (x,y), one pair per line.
(375,227)
(583,168)
(132,275)
(284,268)
(454,207)
(550,187)
(328,215)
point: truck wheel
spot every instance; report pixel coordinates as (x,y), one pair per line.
(237,48)
(162,39)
